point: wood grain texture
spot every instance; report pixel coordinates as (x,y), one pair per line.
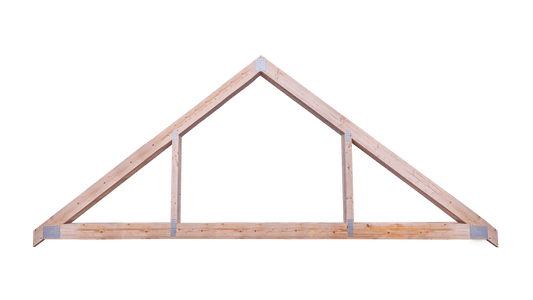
(175,191)
(265,231)
(407,173)
(148,151)
(347,178)
(321,110)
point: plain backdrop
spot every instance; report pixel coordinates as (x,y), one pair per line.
(446,85)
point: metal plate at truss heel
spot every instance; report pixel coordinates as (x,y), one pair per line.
(51,232)
(260,65)
(173,227)
(479,232)
(348,135)
(350,227)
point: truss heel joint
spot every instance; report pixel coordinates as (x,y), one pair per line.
(51,232)
(479,232)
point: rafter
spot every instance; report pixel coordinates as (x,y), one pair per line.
(431,191)
(469,225)
(148,151)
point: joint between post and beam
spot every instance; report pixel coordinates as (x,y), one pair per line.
(173,227)
(174,136)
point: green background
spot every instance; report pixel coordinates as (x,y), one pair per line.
(446,85)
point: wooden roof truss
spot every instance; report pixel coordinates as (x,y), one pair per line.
(468,226)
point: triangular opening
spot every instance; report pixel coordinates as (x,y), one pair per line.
(380,196)
(144,197)
(261,158)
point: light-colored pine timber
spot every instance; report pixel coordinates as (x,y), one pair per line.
(148,151)
(265,231)
(175,194)
(347,178)
(354,199)
(438,196)
(317,107)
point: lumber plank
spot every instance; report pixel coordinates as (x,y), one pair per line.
(175,194)
(354,200)
(347,178)
(148,151)
(343,178)
(407,173)
(265,231)
(411,231)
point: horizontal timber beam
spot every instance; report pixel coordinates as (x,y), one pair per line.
(264,231)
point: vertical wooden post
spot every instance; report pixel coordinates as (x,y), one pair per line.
(354,201)
(347,177)
(175,213)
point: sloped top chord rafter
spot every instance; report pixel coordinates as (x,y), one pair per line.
(469,224)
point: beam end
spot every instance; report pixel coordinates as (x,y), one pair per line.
(51,232)
(479,232)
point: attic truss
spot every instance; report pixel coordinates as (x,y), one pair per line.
(469,225)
